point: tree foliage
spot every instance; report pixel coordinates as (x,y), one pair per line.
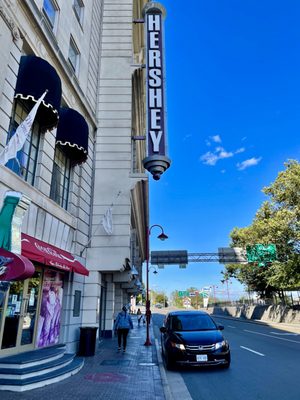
(176,300)
(159,297)
(277,221)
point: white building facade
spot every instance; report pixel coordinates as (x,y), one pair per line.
(82,159)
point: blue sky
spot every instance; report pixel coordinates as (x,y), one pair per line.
(233,95)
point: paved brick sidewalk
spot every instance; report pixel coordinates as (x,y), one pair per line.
(108,374)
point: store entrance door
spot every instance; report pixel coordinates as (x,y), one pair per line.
(19,320)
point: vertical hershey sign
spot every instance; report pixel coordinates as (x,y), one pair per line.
(155,83)
(156,161)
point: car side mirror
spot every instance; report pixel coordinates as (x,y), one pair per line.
(220,327)
(163,329)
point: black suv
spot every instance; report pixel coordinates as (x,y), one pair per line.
(193,338)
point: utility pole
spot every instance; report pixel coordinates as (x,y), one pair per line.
(228,291)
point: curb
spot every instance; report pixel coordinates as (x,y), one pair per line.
(171,379)
(165,384)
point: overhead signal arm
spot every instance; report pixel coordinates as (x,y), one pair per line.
(182,257)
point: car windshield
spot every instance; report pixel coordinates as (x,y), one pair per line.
(192,323)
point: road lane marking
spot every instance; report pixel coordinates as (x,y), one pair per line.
(230,326)
(252,351)
(274,337)
(150,364)
(285,334)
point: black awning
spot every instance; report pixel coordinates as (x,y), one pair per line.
(34,77)
(73,135)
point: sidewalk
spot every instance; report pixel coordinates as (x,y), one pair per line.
(109,375)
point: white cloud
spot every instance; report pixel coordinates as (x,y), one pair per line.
(216,138)
(248,163)
(223,153)
(219,153)
(209,158)
(241,150)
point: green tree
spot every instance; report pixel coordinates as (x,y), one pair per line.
(176,300)
(194,299)
(278,222)
(162,299)
(139,298)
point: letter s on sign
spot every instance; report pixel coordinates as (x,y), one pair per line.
(155,75)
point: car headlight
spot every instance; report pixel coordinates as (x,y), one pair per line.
(178,345)
(219,345)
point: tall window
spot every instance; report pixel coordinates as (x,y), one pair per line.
(78,9)
(61,175)
(50,10)
(73,55)
(25,163)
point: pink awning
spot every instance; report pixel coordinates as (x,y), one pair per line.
(15,267)
(47,254)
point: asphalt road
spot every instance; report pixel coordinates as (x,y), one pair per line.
(265,365)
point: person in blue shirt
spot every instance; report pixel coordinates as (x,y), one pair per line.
(122,325)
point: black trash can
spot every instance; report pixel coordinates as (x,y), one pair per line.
(87,341)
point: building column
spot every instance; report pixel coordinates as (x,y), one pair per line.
(118,298)
(110,306)
(10,54)
(92,290)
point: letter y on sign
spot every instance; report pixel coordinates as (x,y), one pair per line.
(156,140)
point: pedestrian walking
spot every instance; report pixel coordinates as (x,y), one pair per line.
(139,316)
(122,325)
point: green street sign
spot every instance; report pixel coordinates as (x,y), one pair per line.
(183,293)
(204,294)
(261,254)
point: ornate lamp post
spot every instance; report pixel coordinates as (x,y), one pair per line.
(161,236)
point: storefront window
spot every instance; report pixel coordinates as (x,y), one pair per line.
(19,314)
(25,163)
(30,309)
(12,315)
(48,330)
(4,287)
(74,55)
(51,10)
(78,9)
(61,174)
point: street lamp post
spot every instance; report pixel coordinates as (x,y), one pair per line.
(228,291)
(162,236)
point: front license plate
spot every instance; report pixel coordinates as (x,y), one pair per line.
(201,357)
